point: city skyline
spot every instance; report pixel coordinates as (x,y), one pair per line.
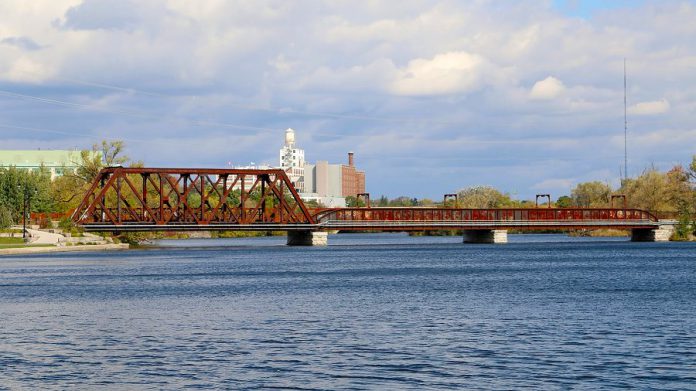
(525,97)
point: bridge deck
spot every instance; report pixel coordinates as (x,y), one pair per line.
(376,226)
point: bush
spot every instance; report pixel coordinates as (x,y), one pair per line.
(134,238)
(66,224)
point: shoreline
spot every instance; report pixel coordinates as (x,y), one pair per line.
(63,249)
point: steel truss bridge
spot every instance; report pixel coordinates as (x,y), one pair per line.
(168,199)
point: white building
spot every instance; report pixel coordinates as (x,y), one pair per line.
(249,180)
(292,160)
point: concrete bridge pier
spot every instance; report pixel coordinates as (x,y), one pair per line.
(485,236)
(659,234)
(307,238)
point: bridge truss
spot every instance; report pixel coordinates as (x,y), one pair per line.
(141,199)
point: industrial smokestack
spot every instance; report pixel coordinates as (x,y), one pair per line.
(350,159)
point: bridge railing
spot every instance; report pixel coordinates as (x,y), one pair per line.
(508,214)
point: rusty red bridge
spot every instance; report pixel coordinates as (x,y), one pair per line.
(166,199)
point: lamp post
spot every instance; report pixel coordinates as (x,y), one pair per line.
(29,194)
(24,211)
(26,204)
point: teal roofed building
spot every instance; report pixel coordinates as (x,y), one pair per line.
(57,162)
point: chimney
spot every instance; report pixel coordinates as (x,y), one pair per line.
(350,159)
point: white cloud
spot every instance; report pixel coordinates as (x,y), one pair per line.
(447,73)
(546,89)
(650,108)
(563,184)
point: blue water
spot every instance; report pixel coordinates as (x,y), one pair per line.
(368,312)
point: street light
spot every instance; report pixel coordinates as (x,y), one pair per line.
(26,199)
(24,211)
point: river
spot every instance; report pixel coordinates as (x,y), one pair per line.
(379,311)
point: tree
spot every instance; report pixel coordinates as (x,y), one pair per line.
(426,202)
(648,191)
(564,202)
(5,217)
(591,194)
(354,202)
(403,201)
(482,197)
(692,169)
(18,185)
(108,154)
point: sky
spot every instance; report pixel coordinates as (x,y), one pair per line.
(432,96)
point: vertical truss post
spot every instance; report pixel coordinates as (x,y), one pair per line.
(282,197)
(202,196)
(118,197)
(242,199)
(264,178)
(223,196)
(161,199)
(183,198)
(102,182)
(144,177)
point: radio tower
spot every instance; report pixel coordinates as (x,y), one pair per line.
(625,127)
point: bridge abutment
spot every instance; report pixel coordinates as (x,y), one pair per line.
(659,234)
(307,238)
(485,236)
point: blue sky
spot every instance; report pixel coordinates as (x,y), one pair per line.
(432,96)
(587,8)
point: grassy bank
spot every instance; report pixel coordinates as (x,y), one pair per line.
(600,233)
(11,242)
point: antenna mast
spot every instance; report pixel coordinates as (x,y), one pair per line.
(625,127)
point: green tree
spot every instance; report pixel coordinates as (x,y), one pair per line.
(106,154)
(593,194)
(426,202)
(648,191)
(5,217)
(67,191)
(564,202)
(354,202)
(482,197)
(403,201)
(17,185)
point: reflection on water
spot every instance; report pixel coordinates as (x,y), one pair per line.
(369,311)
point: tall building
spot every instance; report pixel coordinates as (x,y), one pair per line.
(292,160)
(329,184)
(352,180)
